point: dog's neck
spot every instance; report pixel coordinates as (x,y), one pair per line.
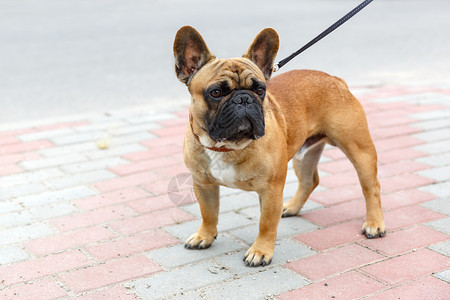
(221,149)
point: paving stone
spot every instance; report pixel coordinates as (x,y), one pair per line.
(24,147)
(334,261)
(291,188)
(434,114)
(28,177)
(128,181)
(400,242)
(64,241)
(57,196)
(285,250)
(115,151)
(144,165)
(417,99)
(443,248)
(36,214)
(193,209)
(225,191)
(112,272)
(12,254)
(291,177)
(248,287)
(22,190)
(404,198)
(409,215)
(180,280)
(128,246)
(435,147)
(438,174)
(424,288)
(97,164)
(93,217)
(133,138)
(237,202)
(129,129)
(287,227)
(150,118)
(441,205)
(439,160)
(107,126)
(441,190)
(36,289)
(24,233)
(9,206)
(444,275)
(78,138)
(336,214)
(177,255)
(442,225)
(349,285)
(432,124)
(332,236)
(408,267)
(80,179)
(117,292)
(69,149)
(52,161)
(227,221)
(43,135)
(433,135)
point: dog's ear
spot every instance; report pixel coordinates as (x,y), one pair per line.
(191,53)
(263,50)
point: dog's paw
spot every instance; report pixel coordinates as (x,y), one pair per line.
(289,211)
(254,257)
(373,229)
(199,241)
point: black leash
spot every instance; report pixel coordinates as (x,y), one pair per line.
(327,31)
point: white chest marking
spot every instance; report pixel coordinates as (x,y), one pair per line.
(223,172)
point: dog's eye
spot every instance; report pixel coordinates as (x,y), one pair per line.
(216,93)
(260,91)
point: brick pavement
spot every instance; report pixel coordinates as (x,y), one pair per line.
(87,211)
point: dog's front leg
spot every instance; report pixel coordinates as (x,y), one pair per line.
(261,252)
(208,199)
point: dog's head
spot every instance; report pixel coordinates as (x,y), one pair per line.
(227,95)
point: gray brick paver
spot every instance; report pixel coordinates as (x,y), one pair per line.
(179,280)
(177,255)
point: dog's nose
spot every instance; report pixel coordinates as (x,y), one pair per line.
(243,99)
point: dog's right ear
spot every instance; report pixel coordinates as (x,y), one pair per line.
(191,53)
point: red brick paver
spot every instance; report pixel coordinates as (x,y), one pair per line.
(408,267)
(339,287)
(425,288)
(108,273)
(334,261)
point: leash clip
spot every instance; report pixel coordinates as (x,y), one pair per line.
(275,68)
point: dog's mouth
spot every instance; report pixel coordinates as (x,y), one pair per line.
(240,118)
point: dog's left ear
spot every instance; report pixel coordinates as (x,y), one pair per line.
(263,50)
(191,53)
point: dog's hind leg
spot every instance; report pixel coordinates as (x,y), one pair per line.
(363,156)
(305,165)
(353,138)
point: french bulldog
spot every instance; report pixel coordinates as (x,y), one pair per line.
(245,127)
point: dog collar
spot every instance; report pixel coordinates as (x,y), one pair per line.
(221,149)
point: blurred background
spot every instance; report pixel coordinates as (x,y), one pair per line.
(66,57)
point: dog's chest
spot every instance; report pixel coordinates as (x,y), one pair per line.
(221,170)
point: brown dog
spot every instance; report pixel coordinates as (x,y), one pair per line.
(244,130)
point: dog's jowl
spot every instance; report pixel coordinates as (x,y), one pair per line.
(245,128)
